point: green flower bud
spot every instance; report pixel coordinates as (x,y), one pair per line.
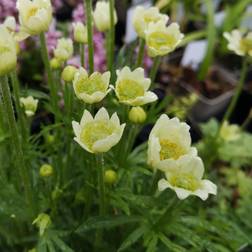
(43,221)
(137,115)
(49,138)
(68,73)
(55,63)
(46,170)
(110,177)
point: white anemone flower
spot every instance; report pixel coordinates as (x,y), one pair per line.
(91,89)
(169,141)
(132,87)
(185,178)
(98,134)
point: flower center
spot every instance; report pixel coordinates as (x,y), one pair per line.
(129,90)
(96,130)
(160,39)
(91,85)
(170,150)
(246,43)
(185,181)
(148,17)
(32,12)
(4,49)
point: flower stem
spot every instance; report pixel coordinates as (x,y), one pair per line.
(17,146)
(238,90)
(45,57)
(90,35)
(140,52)
(82,54)
(112,35)
(154,69)
(16,92)
(101,186)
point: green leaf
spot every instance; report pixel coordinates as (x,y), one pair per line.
(152,244)
(106,222)
(170,245)
(133,238)
(61,245)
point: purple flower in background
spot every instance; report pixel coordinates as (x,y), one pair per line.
(78,14)
(52,36)
(57,4)
(7,8)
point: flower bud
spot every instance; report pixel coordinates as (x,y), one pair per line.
(110,177)
(68,73)
(8,51)
(137,115)
(102,16)
(46,170)
(29,104)
(43,221)
(55,63)
(64,49)
(80,33)
(49,138)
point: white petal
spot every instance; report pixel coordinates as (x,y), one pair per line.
(153,151)
(115,119)
(76,128)
(102,114)
(86,118)
(83,145)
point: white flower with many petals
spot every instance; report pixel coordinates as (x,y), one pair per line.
(143,17)
(34,16)
(29,104)
(101,16)
(239,43)
(185,178)
(169,141)
(98,134)
(91,89)
(8,51)
(132,87)
(162,39)
(64,49)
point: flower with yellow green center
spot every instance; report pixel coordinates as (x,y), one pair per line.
(229,132)
(132,87)
(64,49)
(91,89)
(8,53)
(143,17)
(239,43)
(80,33)
(169,141)
(185,178)
(101,16)
(162,39)
(34,16)
(98,134)
(29,104)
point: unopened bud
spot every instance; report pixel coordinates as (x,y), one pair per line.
(46,170)
(55,63)
(110,177)
(68,73)
(137,115)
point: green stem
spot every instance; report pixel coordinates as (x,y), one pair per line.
(101,186)
(82,54)
(112,35)
(140,52)
(238,90)
(17,146)
(45,57)
(154,69)
(247,121)
(16,92)
(88,12)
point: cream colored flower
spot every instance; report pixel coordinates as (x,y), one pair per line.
(143,17)
(80,33)
(91,89)
(101,16)
(64,49)
(131,87)
(185,178)
(98,134)
(30,105)
(34,16)
(169,141)
(239,43)
(229,132)
(162,39)
(10,24)
(8,51)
